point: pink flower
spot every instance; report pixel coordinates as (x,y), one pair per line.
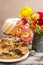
(27,35)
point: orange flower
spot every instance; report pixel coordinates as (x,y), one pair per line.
(33,26)
(42,27)
(18,30)
(35,16)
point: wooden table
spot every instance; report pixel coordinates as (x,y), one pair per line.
(37,59)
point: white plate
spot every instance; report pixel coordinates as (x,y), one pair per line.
(15,60)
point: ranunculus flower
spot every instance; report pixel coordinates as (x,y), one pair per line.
(24,20)
(27,35)
(40,22)
(33,26)
(35,16)
(25,11)
(40,14)
(18,29)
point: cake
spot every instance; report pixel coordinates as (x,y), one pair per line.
(9,25)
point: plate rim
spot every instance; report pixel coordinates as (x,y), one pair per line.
(15,60)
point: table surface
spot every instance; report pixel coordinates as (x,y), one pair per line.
(30,60)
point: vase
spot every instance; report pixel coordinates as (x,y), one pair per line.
(37,43)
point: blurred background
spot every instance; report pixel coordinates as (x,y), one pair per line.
(10,8)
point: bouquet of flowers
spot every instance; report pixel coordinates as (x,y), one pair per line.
(33,20)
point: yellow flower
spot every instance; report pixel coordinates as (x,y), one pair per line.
(35,16)
(25,11)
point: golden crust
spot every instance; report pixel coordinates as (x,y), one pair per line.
(11,48)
